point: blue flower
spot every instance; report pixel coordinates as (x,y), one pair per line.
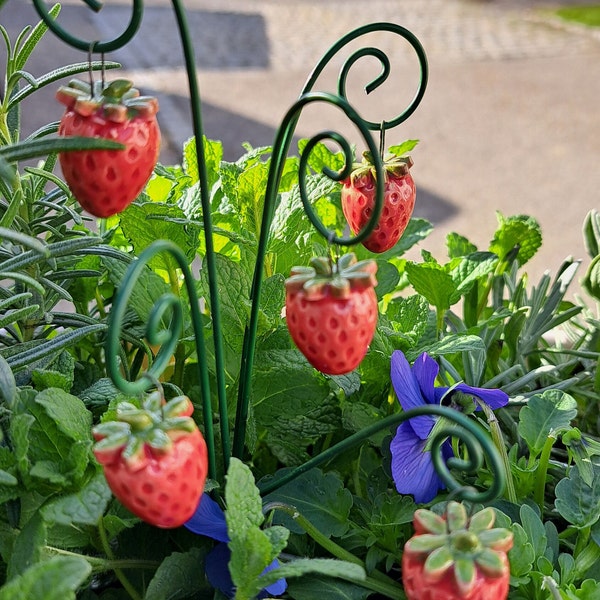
(412,466)
(209,520)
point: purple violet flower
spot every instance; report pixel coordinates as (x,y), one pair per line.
(412,466)
(209,520)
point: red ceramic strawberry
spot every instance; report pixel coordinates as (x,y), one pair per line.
(154,459)
(358,200)
(331,311)
(105,182)
(456,557)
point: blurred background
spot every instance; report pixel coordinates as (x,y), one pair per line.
(509,121)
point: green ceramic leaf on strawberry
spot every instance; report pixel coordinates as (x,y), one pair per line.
(154,459)
(331,311)
(456,556)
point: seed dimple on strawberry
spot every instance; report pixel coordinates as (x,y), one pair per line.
(105,182)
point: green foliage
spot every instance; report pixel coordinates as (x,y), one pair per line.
(336,530)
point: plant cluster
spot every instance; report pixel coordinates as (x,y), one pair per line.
(322,498)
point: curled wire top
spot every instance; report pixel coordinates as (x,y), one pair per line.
(93,45)
(385,68)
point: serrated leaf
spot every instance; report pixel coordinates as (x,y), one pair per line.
(244,505)
(84,507)
(291,403)
(451,344)
(143,224)
(319,497)
(148,288)
(323,566)
(55,579)
(213,155)
(67,412)
(317,587)
(517,232)
(250,556)
(545,415)
(322,157)
(472,268)
(408,317)
(432,282)
(178,577)
(459,245)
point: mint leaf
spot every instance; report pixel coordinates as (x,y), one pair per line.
(28,547)
(60,425)
(323,566)
(321,498)
(60,374)
(84,507)
(407,318)
(459,245)
(244,505)
(317,587)
(472,268)
(388,278)
(234,307)
(178,577)
(252,549)
(321,157)
(213,155)
(148,288)
(518,233)
(403,148)
(143,224)
(68,413)
(545,415)
(433,282)
(292,403)
(55,579)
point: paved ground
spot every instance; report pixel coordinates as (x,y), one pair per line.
(509,121)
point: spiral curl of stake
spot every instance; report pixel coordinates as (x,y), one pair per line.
(168,339)
(477,443)
(385,68)
(93,46)
(341,103)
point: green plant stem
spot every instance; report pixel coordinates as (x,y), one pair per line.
(127,585)
(541,472)
(101,565)
(586,559)
(498,440)
(377,581)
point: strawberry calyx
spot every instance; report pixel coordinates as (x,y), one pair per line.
(338,279)
(137,433)
(460,544)
(393,165)
(117,101)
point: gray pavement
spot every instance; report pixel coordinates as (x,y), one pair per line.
(509,121)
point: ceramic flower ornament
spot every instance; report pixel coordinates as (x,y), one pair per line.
(412,465)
